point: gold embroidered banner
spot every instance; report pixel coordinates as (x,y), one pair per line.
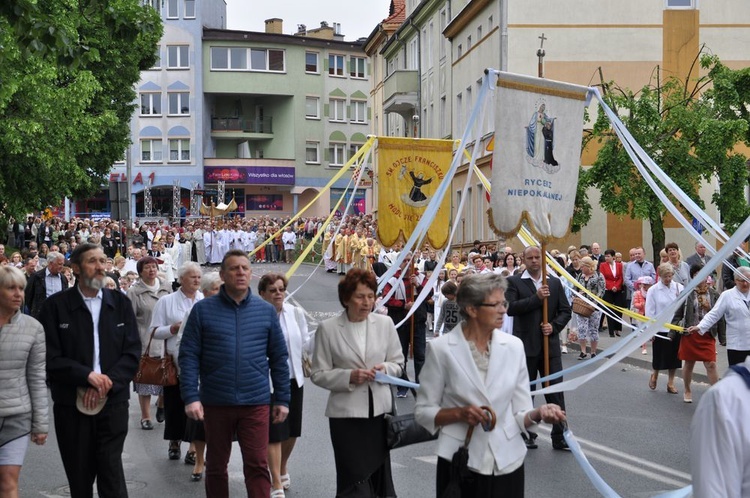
(409,172)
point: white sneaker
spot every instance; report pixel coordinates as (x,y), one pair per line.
(565,350)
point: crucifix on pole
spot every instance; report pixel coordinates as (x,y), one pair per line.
(540,53)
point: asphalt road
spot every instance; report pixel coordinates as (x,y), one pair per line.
(635,438)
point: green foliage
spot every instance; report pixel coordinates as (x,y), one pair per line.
(689,131)
(68,70)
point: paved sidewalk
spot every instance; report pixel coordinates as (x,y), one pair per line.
(644,360)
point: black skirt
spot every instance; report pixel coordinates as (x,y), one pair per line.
(665,353)
(363,461)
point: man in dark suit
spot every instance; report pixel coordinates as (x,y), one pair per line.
(43,283)
(92,346)
(525,296)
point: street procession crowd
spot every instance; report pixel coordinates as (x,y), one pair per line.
(83,302)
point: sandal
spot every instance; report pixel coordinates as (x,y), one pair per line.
(146,425)
(277,493)
(190,458)
(286,482)
(671,389)
(652,381)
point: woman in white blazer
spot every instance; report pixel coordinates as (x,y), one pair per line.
(477,365)
(349,350)
(283,436)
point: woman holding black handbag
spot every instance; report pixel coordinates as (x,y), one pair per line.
(468,375)
(349,350)
(166,322)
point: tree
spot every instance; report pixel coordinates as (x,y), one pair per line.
(65,106)
(690,130)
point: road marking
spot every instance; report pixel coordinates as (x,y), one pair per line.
(599,452)
(658,472)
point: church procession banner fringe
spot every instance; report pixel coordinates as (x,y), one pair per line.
(538,130)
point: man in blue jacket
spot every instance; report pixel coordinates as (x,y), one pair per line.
(230,344)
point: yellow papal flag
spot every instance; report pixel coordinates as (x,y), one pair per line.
(409,173)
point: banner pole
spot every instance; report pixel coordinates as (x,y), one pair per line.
(411,319)
(545,312)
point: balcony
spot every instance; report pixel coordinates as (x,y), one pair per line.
(400,92)
(241,127)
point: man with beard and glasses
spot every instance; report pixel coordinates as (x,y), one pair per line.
(93,349)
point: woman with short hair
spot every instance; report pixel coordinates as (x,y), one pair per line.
(282,437)
(349,350)
(143,295)
(169,313)
(473,367)
(658,297)
(588,326)
(23,409)
(698,347)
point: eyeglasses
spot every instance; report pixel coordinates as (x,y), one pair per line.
(276,289)
(499,304)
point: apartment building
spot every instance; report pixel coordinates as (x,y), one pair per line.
(284,113)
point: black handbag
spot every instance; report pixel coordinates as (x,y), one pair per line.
(403,430)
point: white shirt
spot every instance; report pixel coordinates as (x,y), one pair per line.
(52,283)
(94,304)
(537,283)
(735,308)
(720,439)
(170,309)
(659,297)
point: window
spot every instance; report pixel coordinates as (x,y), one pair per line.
(468,43)
(430,37)
(357,67)
(152,3)
(312,107)
(266,60)
(189,9)
(219,58)
(479,32)
(459,51)
(179,149)
(177,56)
(338,154)
(312,152)
(336,65)
(680,4)
(338,110)
(157,63)
(359,111)
(151,104)
(179,103)
(172,11)
(311,62)
(490,23)
(443,24)
(151,151)
(236,59)
(353,148)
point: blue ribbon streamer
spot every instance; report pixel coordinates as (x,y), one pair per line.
(390,379)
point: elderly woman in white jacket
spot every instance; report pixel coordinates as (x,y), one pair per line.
(23,404)
(166,320)
(283,436)
(477,365)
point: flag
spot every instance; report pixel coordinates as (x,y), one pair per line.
(409,172)
(538,132)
